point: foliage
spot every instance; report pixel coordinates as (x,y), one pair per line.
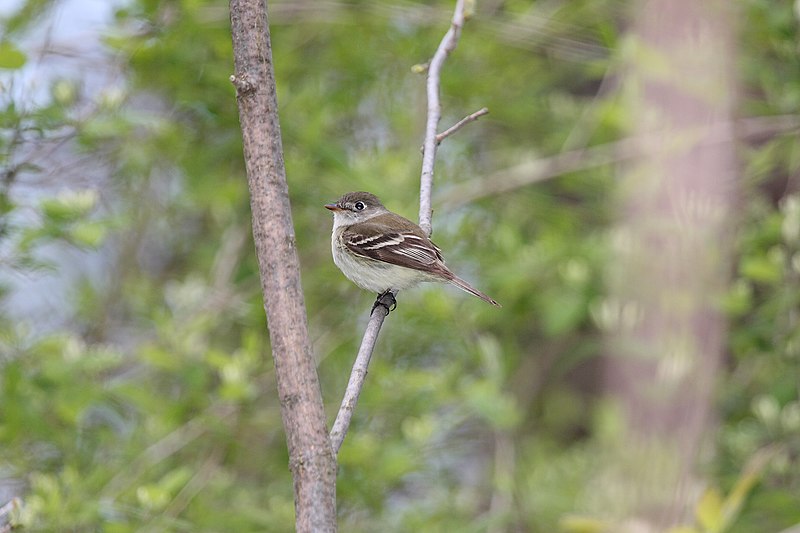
(149,401)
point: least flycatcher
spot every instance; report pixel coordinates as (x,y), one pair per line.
(383,252)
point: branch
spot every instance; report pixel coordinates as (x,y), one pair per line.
(460,124)
(528,173)
(357,377)
(311,458)
(166,447)
(448,44)
(6,514)
(537,170)
(195,485)
(359,372)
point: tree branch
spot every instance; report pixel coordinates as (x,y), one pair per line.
(357,377)
(311,459)
(530,172)
(359,371)
(448,44)
(6,512)
(460,124)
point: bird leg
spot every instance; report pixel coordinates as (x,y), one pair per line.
(386,300)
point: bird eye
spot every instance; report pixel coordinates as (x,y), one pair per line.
(359,206)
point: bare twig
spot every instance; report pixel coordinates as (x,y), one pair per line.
(504,467)
(448,44)
(357,377)
(359,372)
(195,484)
(543,169)
(165,447)
(583,128)
(5,514)
(460,124)
(537,170)
(6,509)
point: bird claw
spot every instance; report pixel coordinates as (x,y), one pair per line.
(385,300)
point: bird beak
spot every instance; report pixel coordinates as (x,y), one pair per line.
(333,207)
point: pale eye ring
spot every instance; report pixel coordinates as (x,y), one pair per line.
(359,206)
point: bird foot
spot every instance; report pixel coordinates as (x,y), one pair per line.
(385,300)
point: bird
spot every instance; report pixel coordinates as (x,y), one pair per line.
(383,252)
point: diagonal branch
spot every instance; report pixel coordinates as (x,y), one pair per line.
(460,124)
(535,171)
(6,514)
(359,372)
(357,377)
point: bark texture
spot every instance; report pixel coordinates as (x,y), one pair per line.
(311,458)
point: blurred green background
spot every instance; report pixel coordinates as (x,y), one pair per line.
(137,389)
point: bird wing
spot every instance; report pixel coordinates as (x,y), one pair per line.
(397,241)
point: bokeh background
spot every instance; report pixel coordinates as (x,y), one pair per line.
(137,390)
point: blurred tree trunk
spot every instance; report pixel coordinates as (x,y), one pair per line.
(671,264)
(311,458)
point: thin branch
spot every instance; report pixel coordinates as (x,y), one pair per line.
(504,468)
(460,124)
(9,506)
(537,170)
(583,128)
(531,172)
(195,484)
(357,377)
(448,44)
(359,371)
(165,447)
(5,514)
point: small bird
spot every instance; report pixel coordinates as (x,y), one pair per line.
(382,252)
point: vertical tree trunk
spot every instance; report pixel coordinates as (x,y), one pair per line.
(671,263)
(311,458)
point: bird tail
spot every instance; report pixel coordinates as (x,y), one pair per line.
(464,286)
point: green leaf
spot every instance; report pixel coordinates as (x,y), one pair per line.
(89,234)
(738,299)
(69,206)
(11,57)
(761,269)
(709,510)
